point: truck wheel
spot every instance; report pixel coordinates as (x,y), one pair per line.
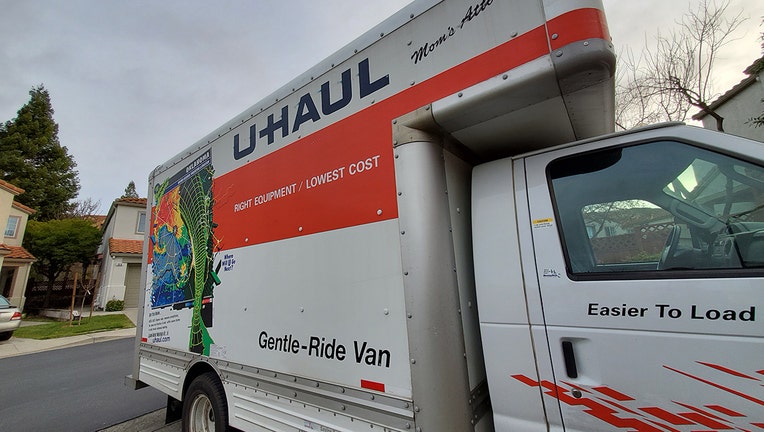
(205,408)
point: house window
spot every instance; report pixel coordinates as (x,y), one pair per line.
(13,226)
(140,227)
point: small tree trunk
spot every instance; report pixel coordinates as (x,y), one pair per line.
(74,296)
(719,122)
(719,119)
(48,292)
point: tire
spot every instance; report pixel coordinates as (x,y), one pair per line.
(204,407)
(5,336)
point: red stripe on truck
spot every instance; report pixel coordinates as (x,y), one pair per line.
(587,24)
(343,175)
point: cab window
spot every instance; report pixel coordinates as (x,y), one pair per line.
(658,207)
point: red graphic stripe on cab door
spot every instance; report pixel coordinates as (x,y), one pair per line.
(719,386)
(725,410)
(729,371)
(613,394)
(667,416)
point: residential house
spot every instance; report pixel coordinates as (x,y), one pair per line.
(121,252)
(738,105)
(15,261)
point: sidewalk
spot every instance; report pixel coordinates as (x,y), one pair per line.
(17,346)
(151,422)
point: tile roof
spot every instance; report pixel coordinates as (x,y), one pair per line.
(139,201)
(124,246)
(25,209)
(753,73)
(11,188)
(729,94)
(16,252)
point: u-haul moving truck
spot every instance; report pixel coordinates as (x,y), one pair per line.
(401,240)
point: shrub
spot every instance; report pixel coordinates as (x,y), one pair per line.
(115,305)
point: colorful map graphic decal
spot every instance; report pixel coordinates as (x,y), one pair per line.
(182,247)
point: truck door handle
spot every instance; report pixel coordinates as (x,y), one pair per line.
(570,359)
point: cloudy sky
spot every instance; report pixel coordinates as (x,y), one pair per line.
(135,82)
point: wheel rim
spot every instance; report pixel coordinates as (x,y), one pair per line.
(202,415)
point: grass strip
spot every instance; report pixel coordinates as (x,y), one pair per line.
(58,329)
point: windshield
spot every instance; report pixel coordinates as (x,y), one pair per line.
(659,206)
(730,191)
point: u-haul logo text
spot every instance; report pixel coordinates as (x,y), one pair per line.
(308,111)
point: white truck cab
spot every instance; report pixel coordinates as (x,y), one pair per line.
(639,259)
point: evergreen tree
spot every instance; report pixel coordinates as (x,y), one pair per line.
(32,158)
(130,191)
(58,244)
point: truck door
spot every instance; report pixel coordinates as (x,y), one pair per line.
(649,252)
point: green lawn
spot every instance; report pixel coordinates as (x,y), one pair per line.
(57,329)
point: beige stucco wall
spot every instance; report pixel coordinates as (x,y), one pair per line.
(739,110)
(126,221)
(6,202)
(19,238)
(121,225)
(20,277)
(16,270)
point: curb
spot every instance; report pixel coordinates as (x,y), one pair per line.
(20,346)
(151,422)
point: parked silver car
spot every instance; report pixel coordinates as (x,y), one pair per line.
(10,319)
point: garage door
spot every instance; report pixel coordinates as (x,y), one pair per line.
(132,285)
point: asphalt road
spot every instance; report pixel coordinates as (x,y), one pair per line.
(78,389)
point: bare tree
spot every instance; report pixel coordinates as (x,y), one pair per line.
(675,75)
(84,209)
(637,102)
(631,103)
